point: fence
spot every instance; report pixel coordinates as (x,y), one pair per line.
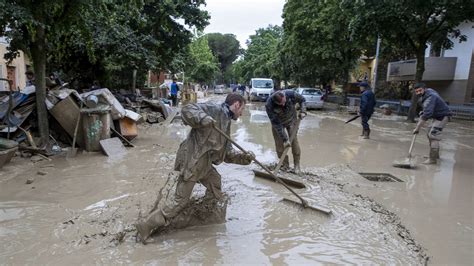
(400,107)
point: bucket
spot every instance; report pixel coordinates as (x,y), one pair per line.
(96,124)
(92,101)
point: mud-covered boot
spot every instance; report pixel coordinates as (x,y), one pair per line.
(363,133)
(297,169)
(296,160)
(146,228)
(434,154)
(285,166)
(366,134)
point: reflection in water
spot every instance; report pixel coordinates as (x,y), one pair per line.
(443,178)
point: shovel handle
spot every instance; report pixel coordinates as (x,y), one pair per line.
(411,145)
(285,151)
(303,201)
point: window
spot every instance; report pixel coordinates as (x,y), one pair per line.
(312,92)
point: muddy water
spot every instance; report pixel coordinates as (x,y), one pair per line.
(82,211)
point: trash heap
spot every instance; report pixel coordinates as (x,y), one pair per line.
(83,120)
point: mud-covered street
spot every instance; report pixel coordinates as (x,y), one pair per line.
(82,210)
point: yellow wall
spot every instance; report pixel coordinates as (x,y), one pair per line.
(20,68)
(365,65)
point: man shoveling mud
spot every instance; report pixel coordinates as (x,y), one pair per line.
(434,107)
(196,155)
(281,109)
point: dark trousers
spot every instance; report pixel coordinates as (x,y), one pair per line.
(365,121)
(174,99)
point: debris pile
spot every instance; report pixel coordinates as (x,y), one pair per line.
(75,119)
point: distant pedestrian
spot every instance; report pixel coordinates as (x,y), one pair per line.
(242,89)
(366,108)
(235,87)
(174,92)
(435,108)
(30,77)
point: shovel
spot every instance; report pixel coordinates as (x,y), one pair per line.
(285,151)
(73,151)
(407,162)
(289,182)
(303,202)
(352,119)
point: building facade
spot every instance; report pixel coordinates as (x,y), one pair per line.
(450,72)
(14,71)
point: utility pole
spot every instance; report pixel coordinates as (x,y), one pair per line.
(374,81)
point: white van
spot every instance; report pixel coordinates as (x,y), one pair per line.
(260,89)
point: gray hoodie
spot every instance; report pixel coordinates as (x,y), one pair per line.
(434,106)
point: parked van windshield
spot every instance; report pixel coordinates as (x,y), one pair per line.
(262,84)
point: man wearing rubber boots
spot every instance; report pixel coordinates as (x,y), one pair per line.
(203,147)
(435,108)
(281,109)
(366,108)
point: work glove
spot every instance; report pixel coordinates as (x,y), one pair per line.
(250,156)
(208,121)
(286,144)
(302,115)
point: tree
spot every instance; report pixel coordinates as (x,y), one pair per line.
(416,23)
(28,25)
(138,35)
(225,47)
(260,58)
(107,36)
(201,65)
(318,43)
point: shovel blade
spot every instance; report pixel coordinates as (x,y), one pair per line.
(312,207)
(406,164)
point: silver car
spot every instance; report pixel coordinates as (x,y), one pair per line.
(314,97)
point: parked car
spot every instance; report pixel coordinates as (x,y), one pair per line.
(314,97)
(219,89)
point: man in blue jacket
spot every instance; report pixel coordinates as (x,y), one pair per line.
(435,108)
(366,108)
(174,92)
(281,109)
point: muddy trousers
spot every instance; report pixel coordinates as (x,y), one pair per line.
(295,146)
(179,198)
(434,137)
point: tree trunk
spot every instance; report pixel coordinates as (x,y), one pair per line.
(420,69)
(38,54)
(134,80)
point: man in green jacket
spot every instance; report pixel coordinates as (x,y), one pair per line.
(203,148)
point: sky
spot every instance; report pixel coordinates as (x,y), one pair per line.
(243,17)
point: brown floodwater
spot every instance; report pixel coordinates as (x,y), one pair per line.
(83,210)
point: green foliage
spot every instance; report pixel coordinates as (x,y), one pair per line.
(201,65)
(261,57)
(226,49)
(318,44)
(105,40)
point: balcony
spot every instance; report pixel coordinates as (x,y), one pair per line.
(436,68)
